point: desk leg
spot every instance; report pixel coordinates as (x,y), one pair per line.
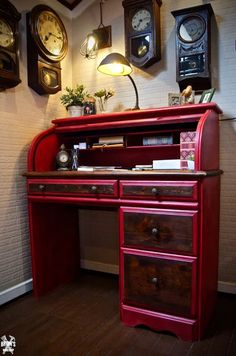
(54,236)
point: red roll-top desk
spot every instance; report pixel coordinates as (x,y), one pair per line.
(168,219)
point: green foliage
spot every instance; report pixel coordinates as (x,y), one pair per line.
(74,96)
(105,94)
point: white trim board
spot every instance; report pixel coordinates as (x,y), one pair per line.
(16,291)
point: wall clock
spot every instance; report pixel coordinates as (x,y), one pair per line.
(9,50)
(47,45)
(142,31)
(193,47)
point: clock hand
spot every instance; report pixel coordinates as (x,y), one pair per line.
(58,37)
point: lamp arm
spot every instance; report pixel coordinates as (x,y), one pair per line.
(136,93)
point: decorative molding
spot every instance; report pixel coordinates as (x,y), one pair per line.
(70,4)
(16,291)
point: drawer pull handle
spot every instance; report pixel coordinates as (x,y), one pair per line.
(42,187)
(154,191)
(154,280)
(94,189)
(154,231)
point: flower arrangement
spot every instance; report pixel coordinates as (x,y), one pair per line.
(103,95)
(74,97)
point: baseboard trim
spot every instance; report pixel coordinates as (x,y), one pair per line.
(99,266)
(16,291)
(227,287)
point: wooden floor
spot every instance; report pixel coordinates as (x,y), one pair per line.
(83,319)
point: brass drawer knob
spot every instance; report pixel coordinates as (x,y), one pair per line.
(154,280)
(154,231)
(42,187)
(154,191)
(94,189)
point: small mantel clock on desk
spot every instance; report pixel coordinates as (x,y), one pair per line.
(168,219)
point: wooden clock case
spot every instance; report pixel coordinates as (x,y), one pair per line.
(44,70)
(193,58)
(133,37)
(9,56)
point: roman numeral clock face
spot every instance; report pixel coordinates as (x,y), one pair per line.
(50,33)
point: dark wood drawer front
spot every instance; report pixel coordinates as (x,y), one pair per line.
(171,230)
(159,190)
(82,188)
(159,284)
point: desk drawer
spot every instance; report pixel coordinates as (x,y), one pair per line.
(159,283)
(96,188)
(159,190)
(159,229)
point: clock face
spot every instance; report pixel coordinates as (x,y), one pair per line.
(191,29)
(63,157)
(141,20)
(51,32)
(6,34)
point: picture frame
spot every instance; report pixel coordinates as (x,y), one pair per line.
(174,99)
(207,96)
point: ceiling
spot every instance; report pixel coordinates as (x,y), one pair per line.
(70,4)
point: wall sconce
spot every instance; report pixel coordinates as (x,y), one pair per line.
(116,64)
(98,39)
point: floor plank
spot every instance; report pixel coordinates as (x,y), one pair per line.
(82,319)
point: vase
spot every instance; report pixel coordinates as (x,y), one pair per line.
(75,111)
(102,105)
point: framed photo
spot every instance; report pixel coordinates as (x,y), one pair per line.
(174,99)
(207,96)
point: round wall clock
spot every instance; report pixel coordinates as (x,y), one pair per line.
(191,29)
(48,33)
(193,47)
(47,45)
(9,50)
(142,31)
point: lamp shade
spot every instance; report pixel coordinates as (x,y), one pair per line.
(115,64)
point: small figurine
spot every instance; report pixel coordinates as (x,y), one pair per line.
(187,95)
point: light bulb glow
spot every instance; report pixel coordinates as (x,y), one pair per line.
(91,43)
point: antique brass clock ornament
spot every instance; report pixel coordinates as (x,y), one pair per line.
(193,47)
(142,31)
(9,51)
(63,159)
(47,45)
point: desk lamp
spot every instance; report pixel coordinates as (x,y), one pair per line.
(116,64)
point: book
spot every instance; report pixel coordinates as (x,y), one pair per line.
(158,140)
(111,139)
(107,145)
(187,147)
(172,164)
